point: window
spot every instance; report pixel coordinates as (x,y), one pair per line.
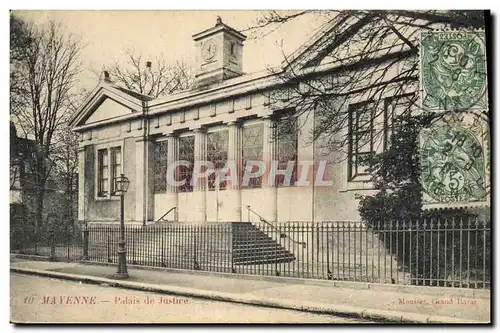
(232,48)
(396,109)
(109,166)
(116,166)
(186,153)
(361,117)
(160,166)
(252,150)
(102,172)
(217,145)
(287,140)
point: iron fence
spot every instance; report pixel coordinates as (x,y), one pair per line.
(436,252)
(59,242)
(201,247)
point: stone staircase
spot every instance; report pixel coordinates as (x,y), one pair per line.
(252,246)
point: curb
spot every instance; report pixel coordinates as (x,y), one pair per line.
(435,291)
(333,309)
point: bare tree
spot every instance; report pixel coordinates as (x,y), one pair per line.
(65,157)
(153,78)
(49,65)
(20,39)
(374,53)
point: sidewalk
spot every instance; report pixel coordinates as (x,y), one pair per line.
(370,301)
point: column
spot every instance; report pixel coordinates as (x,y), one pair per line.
(234,156)
(81,184)
(268,154)
(171,158)
(199,191)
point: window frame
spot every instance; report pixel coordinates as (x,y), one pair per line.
(352,173)
(389,118)
(247,124)
(108,147)
(163,140)
(211,130)
(186,188)
(102,159)
(113,168)
(277,141)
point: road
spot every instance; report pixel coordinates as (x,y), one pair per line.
(39,300)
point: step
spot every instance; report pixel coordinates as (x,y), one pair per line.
(260,250)
(252,245)
(262,261)
(264,258)
(264,255)
(253,241)
(255,245)
(261,241)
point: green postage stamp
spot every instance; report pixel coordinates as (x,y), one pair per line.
(453,70)
(454,166)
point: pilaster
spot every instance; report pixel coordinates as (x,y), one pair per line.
(268,155)
(81,184)
(143,172)
(172,191)
(234,157)
(199,194)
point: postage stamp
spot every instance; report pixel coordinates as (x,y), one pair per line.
(454,171)
(453,70)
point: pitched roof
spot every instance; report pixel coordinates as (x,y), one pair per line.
(133,100)
(134,94)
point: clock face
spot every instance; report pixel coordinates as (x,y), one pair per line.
(208,50)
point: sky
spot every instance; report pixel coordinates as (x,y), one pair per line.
(106,34)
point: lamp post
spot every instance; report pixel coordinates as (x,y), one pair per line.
(121,186)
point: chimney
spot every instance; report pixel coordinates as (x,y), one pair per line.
(148,64)
(107,77)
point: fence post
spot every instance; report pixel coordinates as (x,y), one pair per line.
(108,245)
(85,244)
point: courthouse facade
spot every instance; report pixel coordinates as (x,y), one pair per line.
(227,116)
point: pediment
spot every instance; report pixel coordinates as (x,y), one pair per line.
(107,109)
(107,104)
(344,43)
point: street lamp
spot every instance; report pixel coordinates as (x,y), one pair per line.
(121,186)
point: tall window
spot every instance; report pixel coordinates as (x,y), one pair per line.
(186,153)
(160,166)
(102,173)
(397,108)
(217,145)
(252,149)
(109,166)
(361,131)
(287,140)
(116,166)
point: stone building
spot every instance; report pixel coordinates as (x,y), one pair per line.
(227,116)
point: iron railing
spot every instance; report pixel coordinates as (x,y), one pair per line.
(448,252)
(62,242)
(273,228)
(162,218)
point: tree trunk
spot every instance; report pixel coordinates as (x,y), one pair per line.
(39,200)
